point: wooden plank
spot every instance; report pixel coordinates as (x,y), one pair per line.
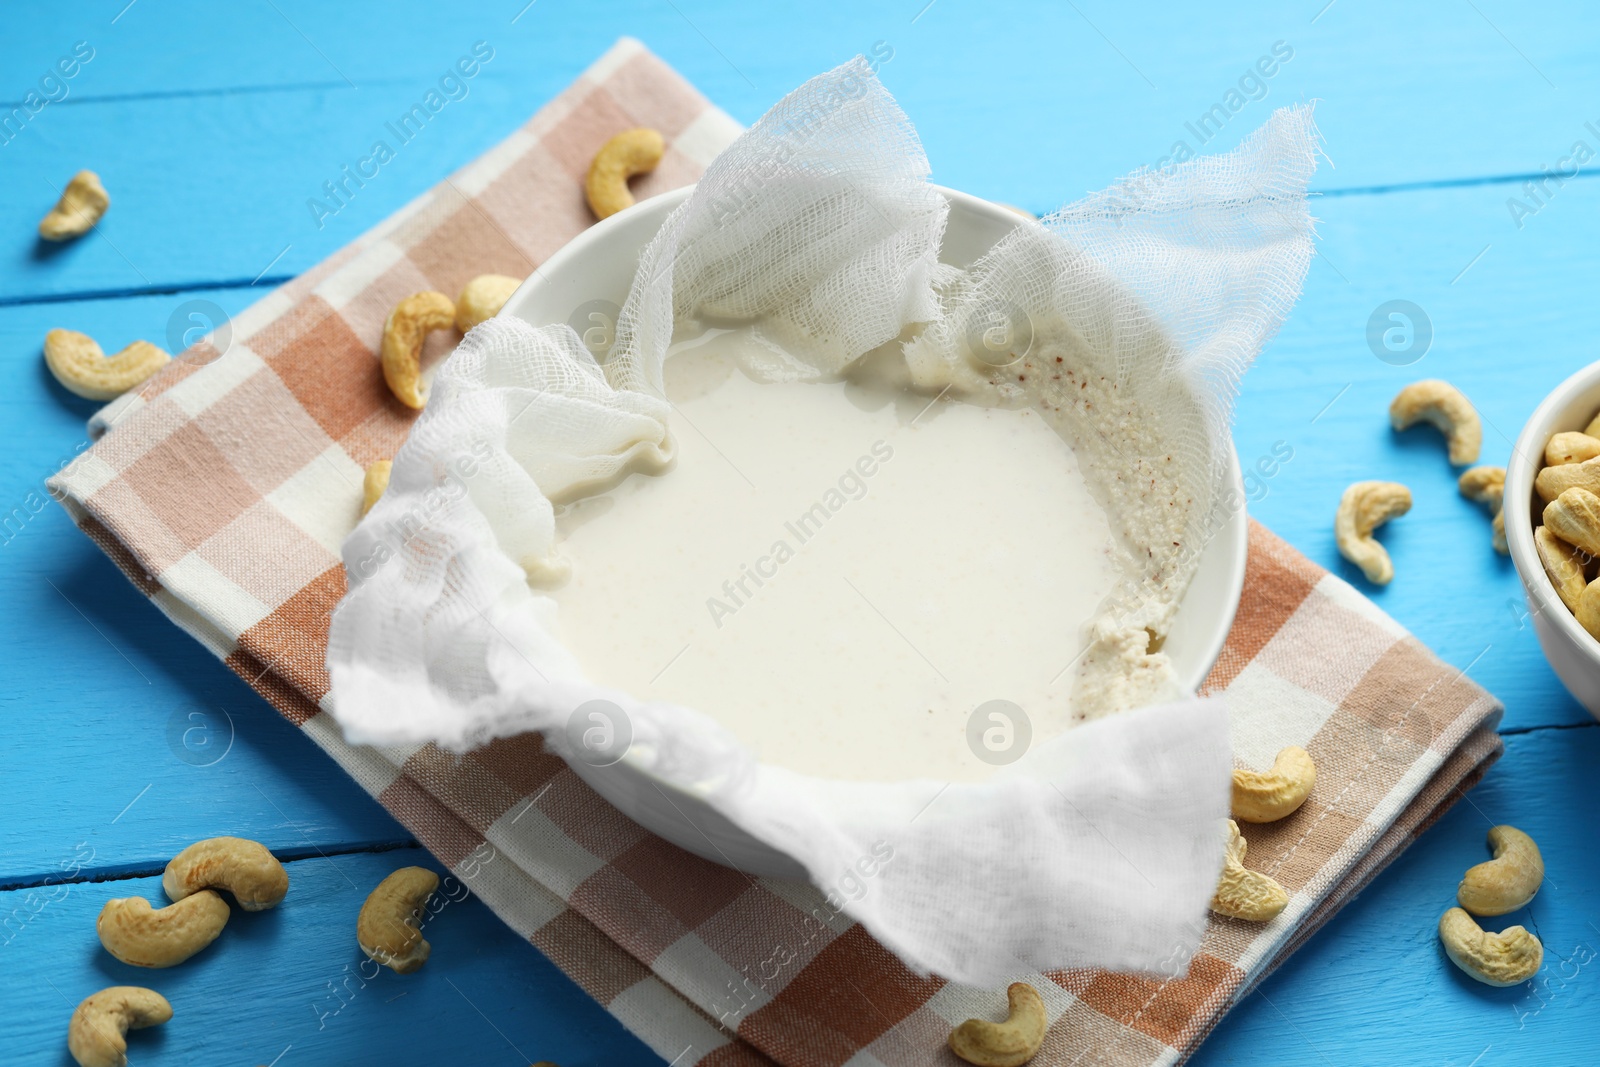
(289,986)
(213,127)
(1375,987)
(212,153)
(124,732)
(1506,331)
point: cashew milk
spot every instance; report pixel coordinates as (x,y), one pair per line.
(843,573)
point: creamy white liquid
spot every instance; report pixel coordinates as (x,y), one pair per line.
(840,574)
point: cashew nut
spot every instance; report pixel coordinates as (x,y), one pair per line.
(95,1037)
(629,153)
(1243,893)
(1562,564)
(81,367)
(1008,1044)
(388,929)
(1487,485)
(1506,882)
(375,482)
(409,324)
(1364,507)
(1442,405)
(143,936)
(1551,482)
(244,868)
(82,203)
(1570,447)
(1593,429)
(482,298)
(1588,610)
(1272,795)
(1574,516)
(1508,958)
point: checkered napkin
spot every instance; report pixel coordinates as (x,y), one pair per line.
(224,488)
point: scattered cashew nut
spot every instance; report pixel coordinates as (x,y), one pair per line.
(1562,564)
(82,367)
(96,1035)
(388,928)
(1570,447)
(629,153)
(1574,516)
(1588,610)
(1487,485)
(1508,958)
(142,936)
(373,485)
(82,203)
(1267,796)
(482,298)
(1008,1044)
(408,325)
(1551,482)
(1443,405)
(1364,507)
(243,867)
(1243,893)
(1506,882)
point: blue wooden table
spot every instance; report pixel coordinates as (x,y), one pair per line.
(213,125)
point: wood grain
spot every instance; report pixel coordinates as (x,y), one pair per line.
(1375,987)
(123,733)
(291,982)
(207,122)
(212,126)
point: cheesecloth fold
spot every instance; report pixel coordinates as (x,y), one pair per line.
(818,229)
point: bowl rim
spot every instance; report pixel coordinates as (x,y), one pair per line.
(562,259)
(1235,525)
(1527,456)
(687,819)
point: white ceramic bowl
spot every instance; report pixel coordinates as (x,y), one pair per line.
(1572,652)
(595,271)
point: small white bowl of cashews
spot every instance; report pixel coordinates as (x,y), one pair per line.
(1552,520)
